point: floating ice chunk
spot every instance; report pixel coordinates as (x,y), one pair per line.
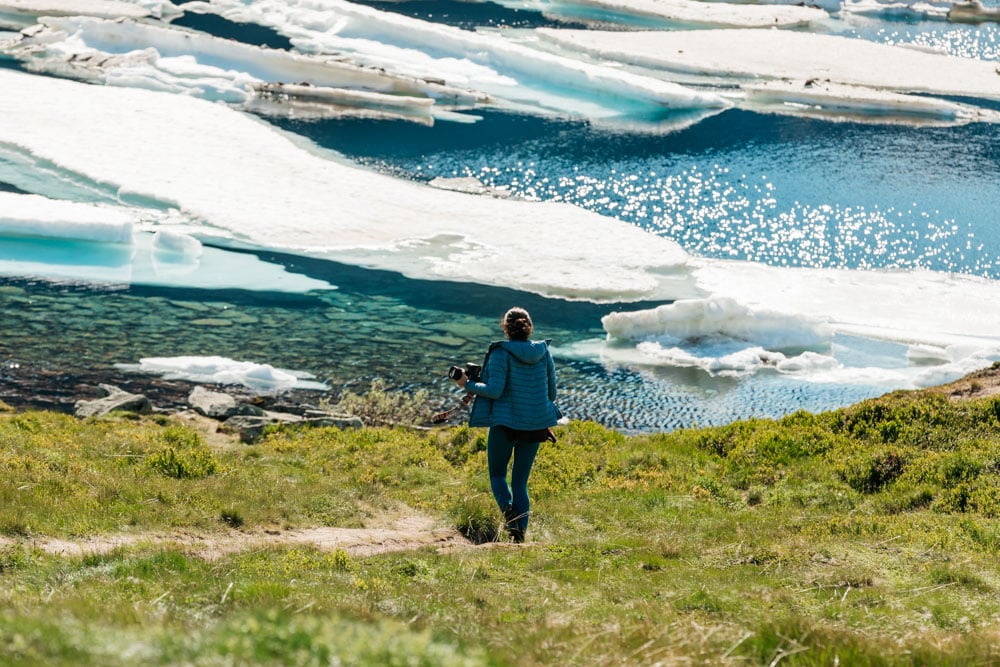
(831,100)
(168,242)
(910,9)
(40,217)
(24,13)
(696,12)
(754,55)
(178,60)
(808,362)
(928,354)
(910,307)
(691,319)
(261,378)
(734,364)
(485,61)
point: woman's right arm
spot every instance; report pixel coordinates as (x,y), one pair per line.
(496,376)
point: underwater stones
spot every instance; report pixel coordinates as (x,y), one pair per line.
(191,305)
(238,317)
(470,330)
(211,322)
(11,290)
(112,399)
(447,341)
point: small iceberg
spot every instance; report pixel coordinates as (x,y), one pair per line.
(260,378)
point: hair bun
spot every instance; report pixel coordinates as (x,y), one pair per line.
(517,324)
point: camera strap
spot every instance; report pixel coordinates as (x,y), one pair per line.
(442,417)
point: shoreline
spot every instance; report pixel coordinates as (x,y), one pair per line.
(28,386)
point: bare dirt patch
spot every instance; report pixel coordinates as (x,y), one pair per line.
(406,533)
(979,384)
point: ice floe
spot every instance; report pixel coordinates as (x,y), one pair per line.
(258,186)
(899,9)
(104,244)
(40,217)
(832,101)
(508,71)
(23,13)
(722,337)
(261,378)
(753,57)
(178,60)
(689,319)
(694,12)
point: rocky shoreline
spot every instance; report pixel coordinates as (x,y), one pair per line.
(31,386)
(94,393)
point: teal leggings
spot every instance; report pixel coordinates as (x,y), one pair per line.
(500,447)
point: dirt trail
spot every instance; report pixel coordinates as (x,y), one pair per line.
(405,534)
(979,384)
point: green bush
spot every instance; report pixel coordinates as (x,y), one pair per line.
(872,471)
(477,518)
(380,407)
(183,464)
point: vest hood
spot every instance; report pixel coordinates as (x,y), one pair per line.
(526,351)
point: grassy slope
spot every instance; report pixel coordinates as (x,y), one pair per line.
(867,535)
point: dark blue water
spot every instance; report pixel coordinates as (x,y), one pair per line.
(247,33)
(779,190)
(470,15)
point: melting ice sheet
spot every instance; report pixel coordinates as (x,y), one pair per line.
(794,71)
(184,153)
(261,378)
(104,244)
(508,71)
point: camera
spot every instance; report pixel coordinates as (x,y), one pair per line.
(473,372)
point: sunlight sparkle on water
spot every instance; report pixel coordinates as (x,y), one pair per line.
(711,213)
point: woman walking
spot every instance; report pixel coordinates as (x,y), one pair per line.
(515,399)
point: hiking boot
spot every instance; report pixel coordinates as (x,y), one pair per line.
(511,517)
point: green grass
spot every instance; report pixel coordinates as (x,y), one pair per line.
(863,536)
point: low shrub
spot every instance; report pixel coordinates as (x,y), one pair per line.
(381,407)
(184,463)
(477,518)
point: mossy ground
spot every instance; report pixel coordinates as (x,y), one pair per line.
(863,536)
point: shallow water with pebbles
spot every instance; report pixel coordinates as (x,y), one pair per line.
(349,338)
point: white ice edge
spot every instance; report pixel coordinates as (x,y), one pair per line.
(718,14)
(99,8)
(162,57)
(103,244)
(760,55)
(261,378)
(829,97)
(479,60)
(40,217)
